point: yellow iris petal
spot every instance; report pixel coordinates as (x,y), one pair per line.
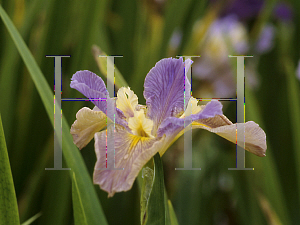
(87,124)
(126,101)
(255,137)
(192,107)
(140,125)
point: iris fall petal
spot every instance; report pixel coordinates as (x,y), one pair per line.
(131,153)
(255,137)
(87,123)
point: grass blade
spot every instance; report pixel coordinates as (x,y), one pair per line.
(173,218)
(102,64)
(72,156)
(9,214)
(78,209)
(32,219)
(268,167)
(174,16)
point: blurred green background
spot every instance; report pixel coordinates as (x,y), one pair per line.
(144,32)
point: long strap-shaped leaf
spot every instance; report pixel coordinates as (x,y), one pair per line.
(156,209)
(9,214)
(78,209)
(94,213)
(156,212)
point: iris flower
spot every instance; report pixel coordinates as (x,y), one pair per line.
(140,131)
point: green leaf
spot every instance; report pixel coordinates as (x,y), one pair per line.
(78,209)
(155,206)
(32,219)
(9,214)
(147,185)
(153,192)
(174,16)
(102,65)
(293,90)
(93,209)
(267,169)
(173,217)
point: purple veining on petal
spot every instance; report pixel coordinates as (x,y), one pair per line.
(92,86)
(164,90)
(130,153)
(90,79)
(120,119)
(173,125)
(265,40)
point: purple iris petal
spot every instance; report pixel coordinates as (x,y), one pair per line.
(173,125)
(92,86)
(165,86)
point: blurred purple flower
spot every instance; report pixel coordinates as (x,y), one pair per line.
(226,36)
(243,9)
(249,9)
(283,12)
(175,39)
(265,39)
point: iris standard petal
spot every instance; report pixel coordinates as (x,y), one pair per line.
(255,137)
(165,86)
(92,86)
(87,124)
(131,153)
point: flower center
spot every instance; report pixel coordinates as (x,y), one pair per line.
(140,125)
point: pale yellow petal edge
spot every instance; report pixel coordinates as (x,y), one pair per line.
(87,123)
(255,137)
